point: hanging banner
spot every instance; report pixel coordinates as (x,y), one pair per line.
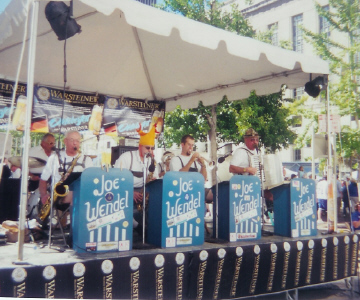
(123,115)
(6,91)
(82,112)
(48,110)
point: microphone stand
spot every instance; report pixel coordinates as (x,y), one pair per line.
(144,195)
(56,154)
(144,202)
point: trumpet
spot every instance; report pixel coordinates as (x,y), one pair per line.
(211,164)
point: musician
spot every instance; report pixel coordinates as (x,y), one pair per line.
(43,151)
(137,162)
(165,165)
(241,162)
(189,161)
(60,162)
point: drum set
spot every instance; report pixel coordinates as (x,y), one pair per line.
(32,207)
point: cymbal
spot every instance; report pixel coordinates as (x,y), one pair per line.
(34,162)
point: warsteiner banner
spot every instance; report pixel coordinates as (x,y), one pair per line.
(123,115)
(6,91)
(48,110)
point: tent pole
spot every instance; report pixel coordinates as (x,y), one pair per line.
(30,95)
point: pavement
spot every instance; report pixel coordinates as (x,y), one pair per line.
(348,288)
(337,290)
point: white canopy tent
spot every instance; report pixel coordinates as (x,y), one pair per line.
(131,49)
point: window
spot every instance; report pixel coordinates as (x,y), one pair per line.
(297,121)
(297,154)
(274,34)
(324,23)
(297,33)
(298,93)
(148,2)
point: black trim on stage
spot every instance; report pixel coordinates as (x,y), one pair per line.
(211,271)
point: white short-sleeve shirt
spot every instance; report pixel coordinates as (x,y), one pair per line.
(241,157)
(53,165)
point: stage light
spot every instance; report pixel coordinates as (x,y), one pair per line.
(59,16)
(314,87)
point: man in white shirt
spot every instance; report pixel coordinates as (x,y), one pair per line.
(140,162)
(242,162)
(61,162)
(189,161)
(43,152)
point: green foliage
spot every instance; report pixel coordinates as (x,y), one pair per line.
(344,61)
(209,12)
(180,122)
(268,116)
(266,38)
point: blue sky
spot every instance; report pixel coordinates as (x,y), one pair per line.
(3,4)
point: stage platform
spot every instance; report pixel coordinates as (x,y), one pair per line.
(214,270)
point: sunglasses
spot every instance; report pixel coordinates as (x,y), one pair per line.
(148,148)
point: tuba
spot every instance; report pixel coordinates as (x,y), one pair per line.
(60,191)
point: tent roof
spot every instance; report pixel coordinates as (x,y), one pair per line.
(133,50)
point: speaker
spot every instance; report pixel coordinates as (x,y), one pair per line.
(59,17)
(313,87)
(118,150)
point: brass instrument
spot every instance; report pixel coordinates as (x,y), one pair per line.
(167,157)
(149,177)
(60,191)
(211,164)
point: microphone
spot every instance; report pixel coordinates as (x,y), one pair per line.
(152,165)
(55,149)
(222,158)
(75,148)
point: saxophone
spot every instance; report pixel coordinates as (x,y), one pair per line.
(60,191)
(149,177)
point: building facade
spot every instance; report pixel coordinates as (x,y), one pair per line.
(285,18)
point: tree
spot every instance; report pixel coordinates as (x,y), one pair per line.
(217,122)
(344,60)
(268,116)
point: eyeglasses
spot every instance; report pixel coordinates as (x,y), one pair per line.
(51,143)
(74,140)
(148,148)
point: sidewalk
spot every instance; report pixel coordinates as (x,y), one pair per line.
(337,290)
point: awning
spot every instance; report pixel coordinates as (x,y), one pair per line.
(133,50)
